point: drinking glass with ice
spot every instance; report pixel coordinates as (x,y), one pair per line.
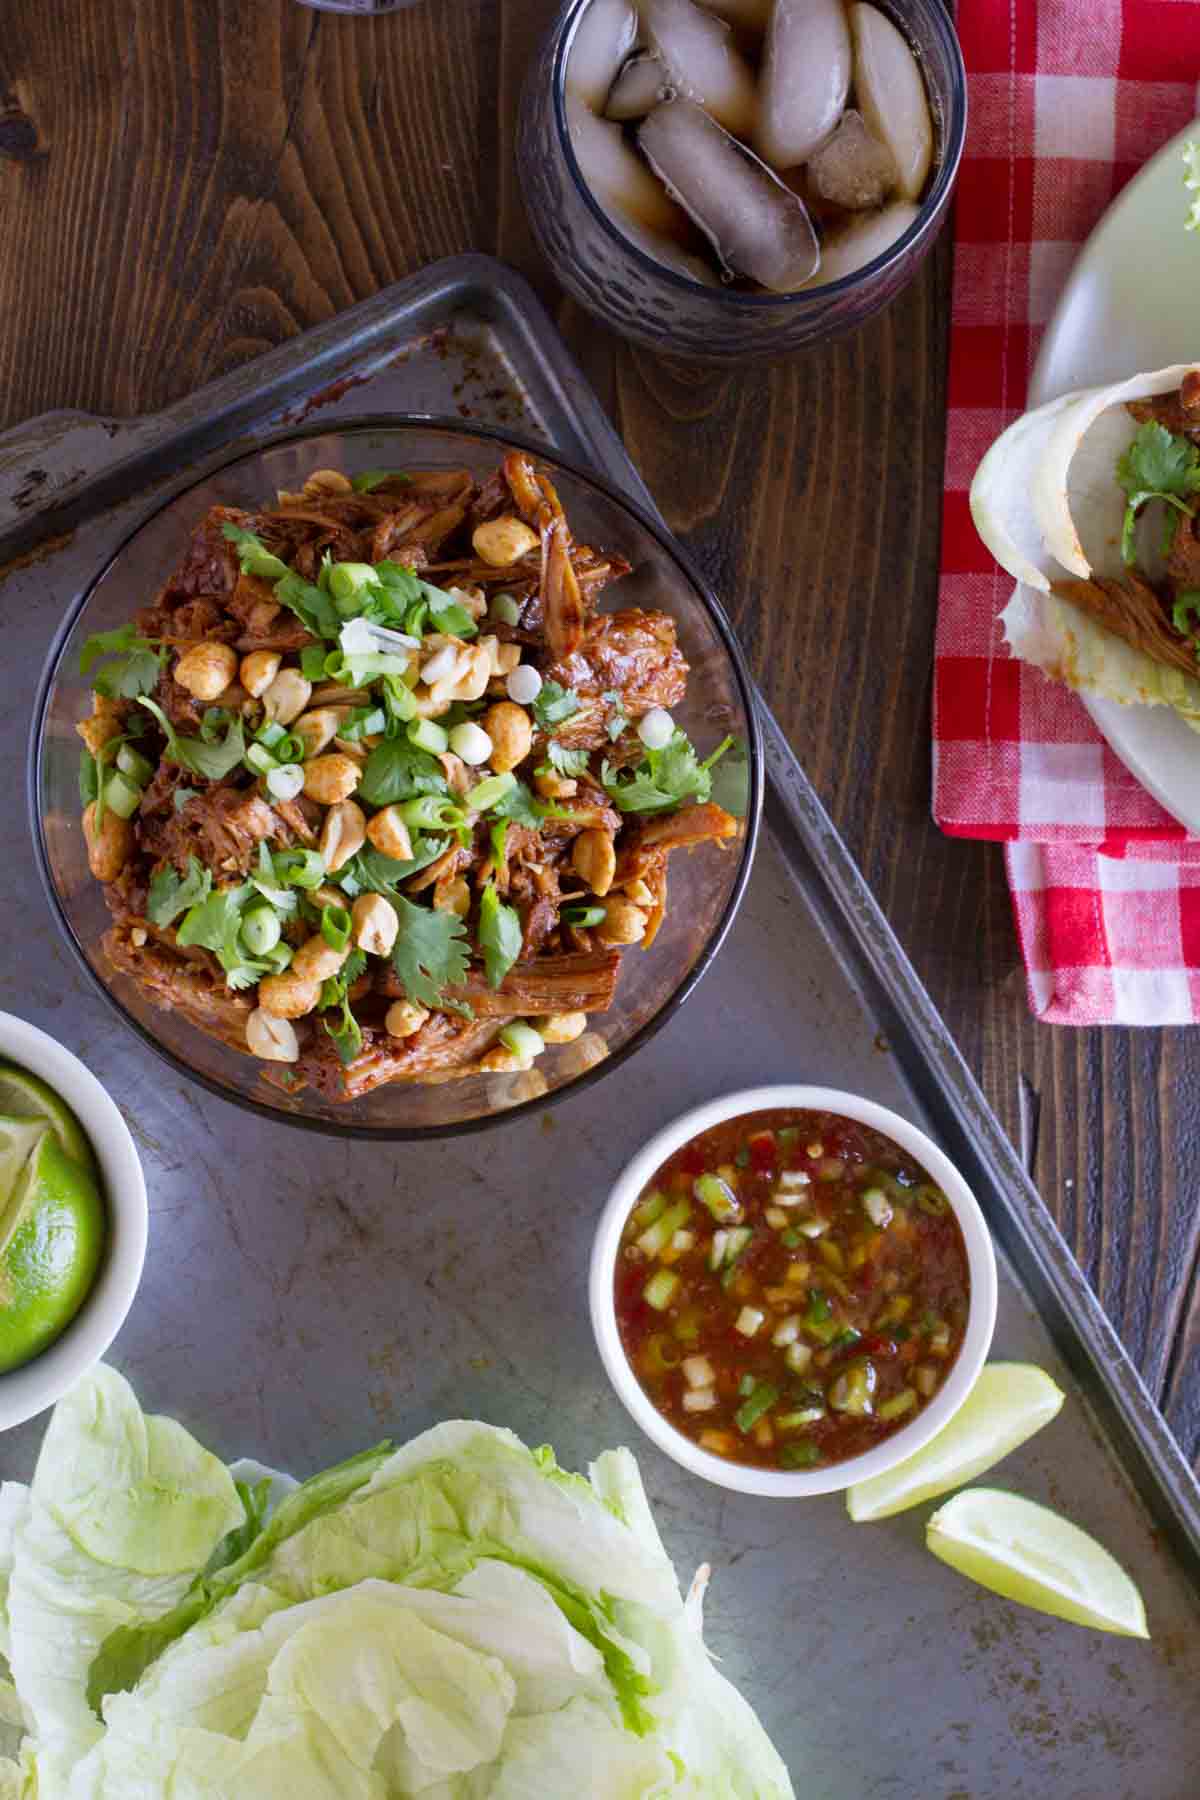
(738,177)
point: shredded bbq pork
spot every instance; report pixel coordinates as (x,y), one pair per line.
(585,880)
(1141,611)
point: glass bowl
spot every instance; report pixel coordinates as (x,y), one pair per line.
(662,310)
(706,884)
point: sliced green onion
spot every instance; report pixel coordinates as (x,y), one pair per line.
(261,930)
(656,1237)
(284,783)
(718,1197)
(368,721)
(131,762)
(793,1421)
(739,1238)
(335,926)
(505,608)
(260,759)
(428,735)
(399,698)
(300,868)
(746,1386)
(659,1289)
(896,1407)
(432,812)
(349,579)
(651,1208)
(851,1392)
(120,794)
(522,1040)
(799,1456)
(488,793)
(877,1207)
(271,733)
(583,915)
(761,1401)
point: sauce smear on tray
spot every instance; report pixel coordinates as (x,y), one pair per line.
(791,1289)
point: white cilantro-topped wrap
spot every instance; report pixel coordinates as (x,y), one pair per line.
(1089,503)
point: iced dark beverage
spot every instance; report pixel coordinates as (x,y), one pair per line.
(761,145)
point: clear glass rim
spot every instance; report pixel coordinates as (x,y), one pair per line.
(577,1084)
(927,220)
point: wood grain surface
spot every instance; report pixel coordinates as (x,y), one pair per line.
(184,183)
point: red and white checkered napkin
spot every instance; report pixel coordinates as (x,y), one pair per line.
(1068,98)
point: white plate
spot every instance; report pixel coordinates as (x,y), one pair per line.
(1132,302)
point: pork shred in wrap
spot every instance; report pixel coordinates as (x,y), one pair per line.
(1092,504)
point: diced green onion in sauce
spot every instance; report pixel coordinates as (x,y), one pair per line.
(791,1290)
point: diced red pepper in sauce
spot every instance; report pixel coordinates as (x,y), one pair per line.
(816,1324)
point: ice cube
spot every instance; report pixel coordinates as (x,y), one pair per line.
(702,62)
(664,250)
(756,225)
(607,33)
(891,96)
(805,79)
(618,177)
(862,240)
(751,15)
(637,89)
(853,169)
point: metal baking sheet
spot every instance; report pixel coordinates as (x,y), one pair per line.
(303,1297)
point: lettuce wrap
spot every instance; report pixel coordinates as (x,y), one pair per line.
(457,1618)
(1089,503)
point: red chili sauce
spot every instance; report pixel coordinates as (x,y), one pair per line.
(791,1289)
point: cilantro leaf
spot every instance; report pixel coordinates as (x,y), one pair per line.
(431,951)
(172,893)
(373,872)
(253,555)
(397,770)
(618,718)
(554,705)
(1158,465)
(201,754)
(370,479)
(335,987)
(500,935)
(315,609)
(1185,614)
(89,778)
(215,923)
(134,667)
(520,806)
(1191,181)
(562,761)
(664,779)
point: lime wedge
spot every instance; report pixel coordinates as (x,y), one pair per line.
(1027,1553)
(23,1095)
(53,1238)
(1009,1402)
(18,1137)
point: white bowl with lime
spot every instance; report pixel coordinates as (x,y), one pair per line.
(73,1220)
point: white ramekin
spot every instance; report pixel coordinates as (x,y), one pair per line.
(39,1383)
(981,1316)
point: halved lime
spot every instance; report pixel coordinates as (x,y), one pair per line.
(23,1095)
(1026,1552)
(18,1138)
(1009,1402)
(53,1237)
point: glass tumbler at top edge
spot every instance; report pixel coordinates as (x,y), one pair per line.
(652,305)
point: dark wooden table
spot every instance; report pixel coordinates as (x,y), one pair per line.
(184,183)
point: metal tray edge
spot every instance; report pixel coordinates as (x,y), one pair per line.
(852,921)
